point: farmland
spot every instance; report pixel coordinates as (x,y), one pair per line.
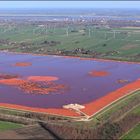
(84,41)
(8,125)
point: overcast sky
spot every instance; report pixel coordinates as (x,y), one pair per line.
(69,4)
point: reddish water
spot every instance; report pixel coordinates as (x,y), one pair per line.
(72,73)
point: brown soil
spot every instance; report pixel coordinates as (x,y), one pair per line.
(129,46)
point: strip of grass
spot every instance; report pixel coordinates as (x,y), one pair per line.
(136,110)
(11,111)
(133,134)
(21,113)
(9,125)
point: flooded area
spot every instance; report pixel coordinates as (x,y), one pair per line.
(53,81)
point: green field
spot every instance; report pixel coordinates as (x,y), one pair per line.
(124,44)
(9,125)
(133,134)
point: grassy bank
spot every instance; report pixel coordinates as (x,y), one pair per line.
(9,125)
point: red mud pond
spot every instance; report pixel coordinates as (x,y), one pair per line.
(46,83)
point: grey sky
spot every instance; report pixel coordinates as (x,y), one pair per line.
(69,4)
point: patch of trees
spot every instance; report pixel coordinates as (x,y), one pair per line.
(104,45)
(80,51)
(69,132)
(109,131)
(4,41)
(50,43)
(40,116)
(128,122)
(24,44)
(16,119)
(106,131)
(76,42)
(112,52)
(74,31)
(135,57)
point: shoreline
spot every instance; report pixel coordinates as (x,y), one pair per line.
(70,56)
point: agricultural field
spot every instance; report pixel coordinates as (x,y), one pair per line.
(8,125)
(75,40)
(133,134)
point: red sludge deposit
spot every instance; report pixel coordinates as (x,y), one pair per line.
(56,84)
(30,84)
(98,73)
(23,64)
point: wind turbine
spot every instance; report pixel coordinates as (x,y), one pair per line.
(89,32)
(67,31)
(114,34)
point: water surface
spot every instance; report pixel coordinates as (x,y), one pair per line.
(72,72)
